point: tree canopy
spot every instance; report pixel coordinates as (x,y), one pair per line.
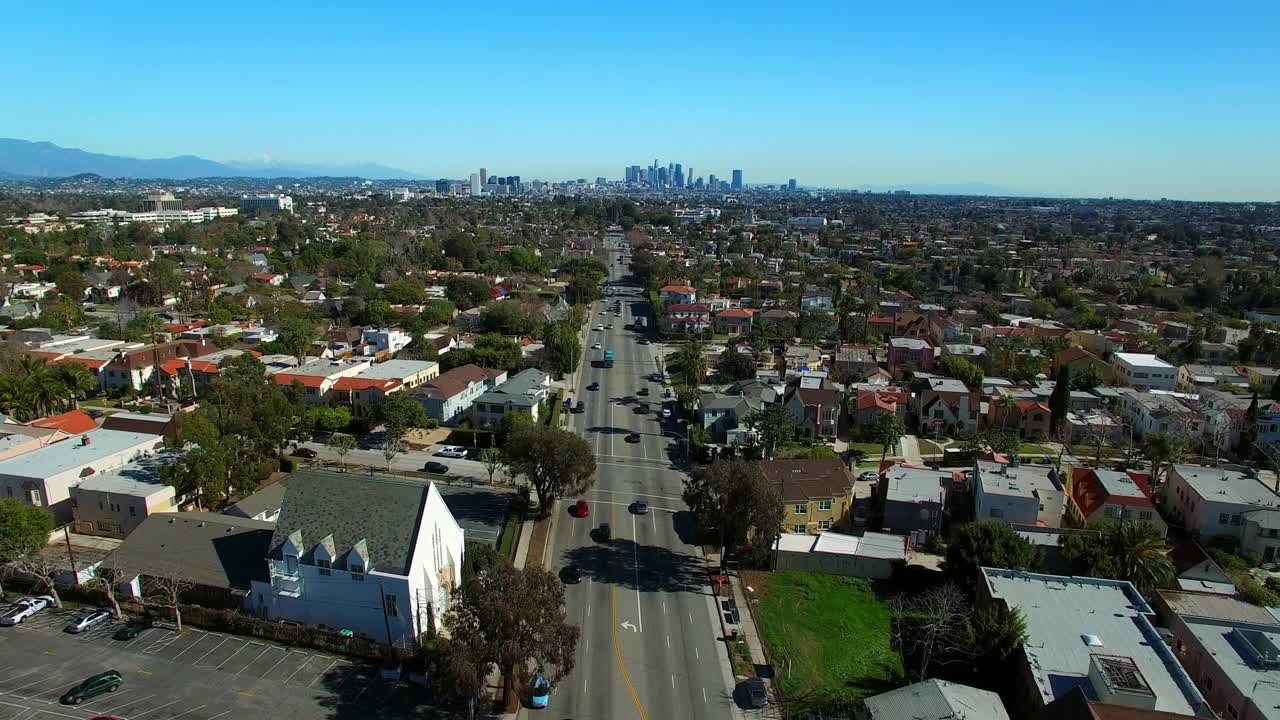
(734,503)
(555,462)
(988,543)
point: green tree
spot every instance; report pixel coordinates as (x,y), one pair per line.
(987,543)
(563,350)
(71,284)
(77,382)
(774,425)
(1162,449)
(507,317)
(1087,379)
(554,461)
(341,444)
(1123,551)
(688,364)
(1060,399)
(438,312)
(733,502)
(399,413)
(326,419)
(493,460)
(963,370)
(509,424)
(734,365)
(24,531)
(490,351)
(887,429)
(467,292)
(297,335)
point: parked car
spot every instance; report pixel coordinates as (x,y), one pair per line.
(451,451)
(656,377)
(580,509)
(757,693)
(133,628)
(643,392)
(666,413)
(391,670)
(93,686)
(633,437)
(594,386)
(597,346)
(540,692)
(581,407)
(438,468)
(87,619)
(26,607)
(643,341)
(869,476)
(640,507)
(304,452)
(604,533)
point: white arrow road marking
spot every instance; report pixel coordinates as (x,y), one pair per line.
(626,625)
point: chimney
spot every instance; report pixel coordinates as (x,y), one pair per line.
(84,440)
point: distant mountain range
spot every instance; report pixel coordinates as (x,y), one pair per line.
(23,158)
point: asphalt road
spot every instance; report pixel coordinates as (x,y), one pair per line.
(650,646)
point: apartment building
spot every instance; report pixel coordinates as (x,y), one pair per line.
(1144,371)
(1018,494)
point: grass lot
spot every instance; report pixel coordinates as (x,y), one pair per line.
(511,529)
(1034,449)
(99,402)
(870,449)
(834,631)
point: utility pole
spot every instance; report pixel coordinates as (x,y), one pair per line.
(75,575)
(385,620)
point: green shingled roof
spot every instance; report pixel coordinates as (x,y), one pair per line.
(384,512)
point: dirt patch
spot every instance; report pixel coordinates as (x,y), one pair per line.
(538,541)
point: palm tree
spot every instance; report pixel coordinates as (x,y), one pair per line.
(41,386)
(77,381)
(1161,449)
(12,398)
(1140,555)
(150,325)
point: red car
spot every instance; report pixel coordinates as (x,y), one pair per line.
(580,509)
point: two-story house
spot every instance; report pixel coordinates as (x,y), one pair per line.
(817,495)
(912,501)
(522,393)
(871,402)
(735,321)
(723,417)
(817,411)
(449,396)
(1100,495)
(319,378)
(910,355)
(364,392)
(1149,412)
(1030,418)
(1217,501)
(948,406)
(689,317)
(381,557)
(1018,494)
(1144,371)
(678,294)
(816,299)
(384,340)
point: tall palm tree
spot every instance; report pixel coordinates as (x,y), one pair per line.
(13,400)
(1140,556)
(41,386)
(77,381)
(150,325)
(1161,449)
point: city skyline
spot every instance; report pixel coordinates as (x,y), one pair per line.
(1103,102)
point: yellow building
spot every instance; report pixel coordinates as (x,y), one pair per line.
(817,495)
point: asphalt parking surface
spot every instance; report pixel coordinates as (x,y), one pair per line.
(193,675)
(478,510)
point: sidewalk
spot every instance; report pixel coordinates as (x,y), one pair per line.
(748,633)
(909,449)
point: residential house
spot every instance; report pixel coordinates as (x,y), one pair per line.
(816,299)
(735,321)
(135,368)
(1144,371)
(113,504)
(678,294)
(384,340)
(1197,572)
(853,363)
(689,317)
(381,557)
(1080,359)
(523,393)
(975,354)
(723,417)
(1091,634)
(195,373)
(1018,494)
(1218,501)
(869,555)
(1191,378)
(1152,412)
(264,504)
(219,557)
(870,402)
(44,476)
(319,378)
(778,321)
(912,500)
(948,406)
(1100,495)
(816,411)
(365,391)
(1031,418)
(817,495)
(448,397)
(881,327)
(1230,649)
(910,355)
(934,699)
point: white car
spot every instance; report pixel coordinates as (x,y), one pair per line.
(600,328)
(597,346)
(666,413)
(22,609)
(451,451)
(869,476)
(604,312)
(87,619)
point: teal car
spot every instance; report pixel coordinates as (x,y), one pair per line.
(93,686)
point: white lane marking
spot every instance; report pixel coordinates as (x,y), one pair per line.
(59,692)
(668,642)
(117,697)
(197,642)
(673,682)
(264,652)
(628,505)
(37,681)
(620,492)
(15,677)
(635,555)
(690,618)
(139,638)
(588,609)
(322,672)
(273,667)
(704,695)
(215,647)
(654,518)
(299,668)
(215,717)
(697,655)
(132,717)
(237,652)
(664,607)
(185,712)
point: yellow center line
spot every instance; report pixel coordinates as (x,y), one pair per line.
(617,646)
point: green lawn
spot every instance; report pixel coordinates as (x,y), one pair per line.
(98,402)
(835,633)
(870,449)
(1034,449)
(928,447)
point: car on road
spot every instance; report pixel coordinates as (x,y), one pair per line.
(604,312)
(633,437)
(133,628)
(757,694)
(666,413)
(87,619)
(667,393)
(581,407)
(643,392)
(643,341)
(580,509)
(604,533)
(304,452)
(571,575)
(642,409)
(93,686)
(594,386)
(600,327)
(597,346)
(451,451)
(869,476)
(655,377)
(540,691)
(640,507)
(438,468)
(26,607)
(610,326)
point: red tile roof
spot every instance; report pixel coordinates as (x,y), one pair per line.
(348,384)
(73,422)
(312,381)
(678,289)
(90,363)
(1090,494)
(741,313)
(688,308)
(883,399)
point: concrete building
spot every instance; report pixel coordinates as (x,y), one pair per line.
(912,501)
(385,340)
(1144,371)
(910,354)
(1218,501)
(870,555)
(1090,634)
(934,700)
(114,504)
(271,203)
(381,557)
(319,378)
(1018,494)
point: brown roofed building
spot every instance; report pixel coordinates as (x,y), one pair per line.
(448,397)
(817,495)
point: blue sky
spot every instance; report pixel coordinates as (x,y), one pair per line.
(1127,98)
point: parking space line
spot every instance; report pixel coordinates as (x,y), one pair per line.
(161,644)
(273,667)
(237,652)
(322,672)
(215,717)
(185,649)
(184,712)
(33,682)
(61,689)
(117,697)
(206,654)
(133,717)
(139,638)
(127,704)
(264,652)
(15,677)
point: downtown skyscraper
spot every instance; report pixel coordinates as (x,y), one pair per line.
(737,181)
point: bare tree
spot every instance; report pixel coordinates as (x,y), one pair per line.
(166,591)
(930,626)
(44,567)
(341,444)
(110,575)
(391,447)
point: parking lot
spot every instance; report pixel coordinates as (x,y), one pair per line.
(193,675)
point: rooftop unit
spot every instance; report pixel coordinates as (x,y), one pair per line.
(1116,680)
(1257,648)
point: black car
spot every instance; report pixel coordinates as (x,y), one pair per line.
(438,468)
(604,533)
(640,507)
(304,452)
(580,407)
(643,392)
(633,437)
(757,694)
(133,628)
(571,574)
(594,386)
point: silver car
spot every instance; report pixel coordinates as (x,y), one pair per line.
(87,619)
